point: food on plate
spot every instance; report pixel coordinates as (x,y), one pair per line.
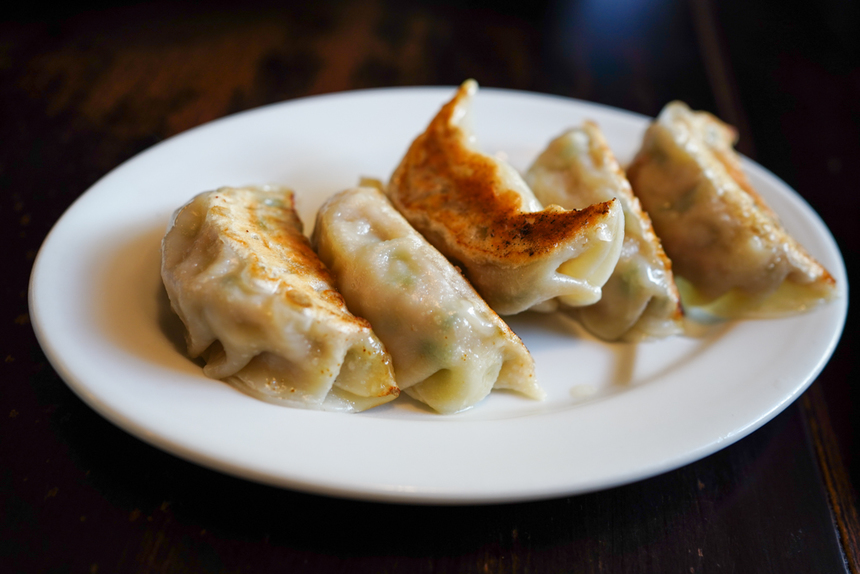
(448,347)
(640,300)
(262,309)
(478,211)
(730,252)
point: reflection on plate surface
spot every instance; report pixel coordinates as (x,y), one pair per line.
(614,412)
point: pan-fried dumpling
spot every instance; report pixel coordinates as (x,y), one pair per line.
(478,211)
(449,348)
(728,249)
(640,299)
(262,309)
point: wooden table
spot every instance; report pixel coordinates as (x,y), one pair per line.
(84,89)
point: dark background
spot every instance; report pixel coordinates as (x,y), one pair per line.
(88,85)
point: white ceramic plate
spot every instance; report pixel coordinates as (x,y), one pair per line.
(615,413)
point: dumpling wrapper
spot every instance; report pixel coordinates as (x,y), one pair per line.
(729,251)
(478,211)
(262,309)
(640,299)
(449,348)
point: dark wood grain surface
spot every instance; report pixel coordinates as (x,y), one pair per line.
(87,86)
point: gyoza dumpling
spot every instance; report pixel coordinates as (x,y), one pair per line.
(729,251)
(449,348)
(640,299)
(262,309)
(478,211)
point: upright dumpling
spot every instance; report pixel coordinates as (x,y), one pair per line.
(262,309)
(449,348)
(640,299)
(729,250)
(478,211)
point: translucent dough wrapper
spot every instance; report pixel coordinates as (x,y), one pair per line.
(640,300)
(262,309)
(478,211)
(449,348)
(729,251)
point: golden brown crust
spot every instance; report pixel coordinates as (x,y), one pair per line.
(272,239)
(468,199)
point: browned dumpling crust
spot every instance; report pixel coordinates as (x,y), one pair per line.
(732,254)
(477,210)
